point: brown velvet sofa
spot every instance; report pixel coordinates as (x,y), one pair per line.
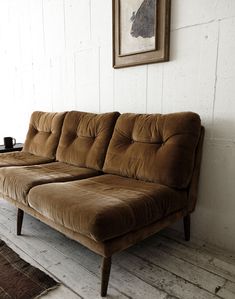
(106,180)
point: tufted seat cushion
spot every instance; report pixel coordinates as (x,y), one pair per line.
(154,148)
(107,206)
(43,134)
(85,138)
(21,159)
(15,182)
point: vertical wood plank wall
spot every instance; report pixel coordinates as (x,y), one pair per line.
(57,55)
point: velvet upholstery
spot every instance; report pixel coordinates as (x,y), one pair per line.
(21,158)
(154,148)
(15,182)
(41,141)
(152,170)
(81,152)
(107,206)
(111,246)
(44,133)
(85,138)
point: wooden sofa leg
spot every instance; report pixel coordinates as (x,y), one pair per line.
(187,227)
(106,266)
(20,216)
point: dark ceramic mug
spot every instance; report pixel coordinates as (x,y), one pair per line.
(9,142)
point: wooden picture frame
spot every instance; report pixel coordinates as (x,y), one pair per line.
(134,42)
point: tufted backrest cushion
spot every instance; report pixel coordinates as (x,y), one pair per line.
(43,134)
(155,148)
(85,138)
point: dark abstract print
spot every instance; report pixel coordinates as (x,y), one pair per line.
(144,20)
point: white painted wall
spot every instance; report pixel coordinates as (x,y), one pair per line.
(56,55)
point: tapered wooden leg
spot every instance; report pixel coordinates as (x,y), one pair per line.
(106,266)
(20,216)
(187,227)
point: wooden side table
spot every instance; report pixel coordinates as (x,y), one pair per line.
(17,147)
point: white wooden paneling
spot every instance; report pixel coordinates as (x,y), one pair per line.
(225,9)
(192,13)
(53,24)
(101,21)
(87,79)
(13,36)
(37,32)
(106,79)
(7,100)
(215,211)
(130,89)
(3,24)
(154,93)
(57,74)
(24,106)
(224,121)
(188,84)
(42,87)
(68,77)
(25,34)
(77,23)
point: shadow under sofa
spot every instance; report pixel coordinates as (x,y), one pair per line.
(117,179)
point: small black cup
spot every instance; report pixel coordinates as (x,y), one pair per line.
(9,142)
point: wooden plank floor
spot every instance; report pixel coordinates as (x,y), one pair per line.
(163,266)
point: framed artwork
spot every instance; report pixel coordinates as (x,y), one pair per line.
(141,32)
